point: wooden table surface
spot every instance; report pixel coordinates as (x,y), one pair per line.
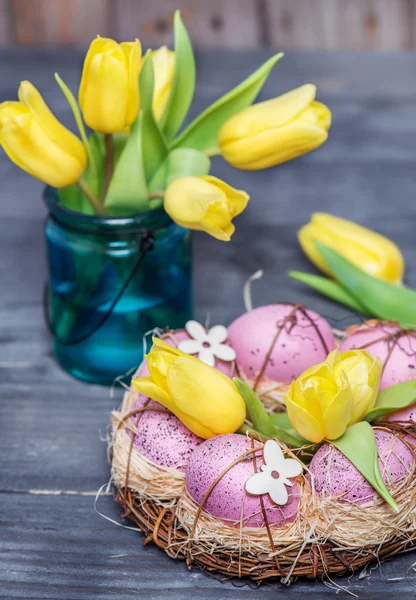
(52,454)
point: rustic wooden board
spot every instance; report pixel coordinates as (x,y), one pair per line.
(210,24)
(60,22)
(349,24)
(52,460)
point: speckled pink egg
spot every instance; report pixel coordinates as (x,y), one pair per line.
(395,347)
(161,437)
(228,500)
(305,339)
(404,416)
(228,368)
(335,475)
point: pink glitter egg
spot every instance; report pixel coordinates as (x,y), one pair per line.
(228,500)
(289,340)
(395,347)
(336,476)
(161,437)
(173,338)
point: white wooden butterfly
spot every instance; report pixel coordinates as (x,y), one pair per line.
(274,475)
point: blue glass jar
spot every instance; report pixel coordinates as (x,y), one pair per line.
(112,280)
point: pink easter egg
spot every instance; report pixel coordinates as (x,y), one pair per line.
(395,347)
(289,340)
(228,500)
(161,437)
(335,475)
(405,416)
(173,338)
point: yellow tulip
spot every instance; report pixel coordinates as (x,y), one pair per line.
(332,395)
(37,142)
(366,249)
(205,204)
(205,400)
(109,88)
(275,131)
(164,70)
(363,373)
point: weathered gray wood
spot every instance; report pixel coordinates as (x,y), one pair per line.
(210,24)
(57,548)
(52,545)
(349,24)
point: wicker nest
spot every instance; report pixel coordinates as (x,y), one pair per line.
(327,536)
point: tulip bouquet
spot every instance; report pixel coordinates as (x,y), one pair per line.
(134,160)
(366,269)
(334,402)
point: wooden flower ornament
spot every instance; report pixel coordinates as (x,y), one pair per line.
(208,345)
(275,474)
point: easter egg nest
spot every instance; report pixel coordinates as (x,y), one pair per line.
(326,537)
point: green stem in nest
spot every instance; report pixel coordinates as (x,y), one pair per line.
(92,199)
(154,195)
(109,163)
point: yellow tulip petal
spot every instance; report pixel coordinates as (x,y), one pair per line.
(303,421)
(374,377)
(133,53)
(98,46)
(206,395)
(105,100)
(323,114)
(337,416)
(264,116)
(164,70)
(146,386)
(55,131)
(274,146)
(366,249)
(26,144)
(237,200)
(223,234)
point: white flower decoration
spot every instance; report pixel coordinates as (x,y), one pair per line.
(274,476)
(207,344)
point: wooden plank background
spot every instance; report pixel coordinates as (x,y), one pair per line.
(306,24)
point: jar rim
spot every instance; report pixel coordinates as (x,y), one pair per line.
(144,221)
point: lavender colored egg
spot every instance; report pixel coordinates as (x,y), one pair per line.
(405,416)
(395,347)
(228,500)
(161,437)
(305,339)
(336,476)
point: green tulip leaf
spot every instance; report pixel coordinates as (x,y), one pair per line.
(330,288)
(400,395)
(382,299)
(71,197)
(281,421)
(183,84)
(358,444)
(202,133)
(261,419)
(156,148)
(186,162)
(127,193)
(93,175)
(182,162)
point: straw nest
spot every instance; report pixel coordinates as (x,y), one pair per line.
(328,536)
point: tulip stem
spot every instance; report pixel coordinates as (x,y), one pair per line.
(92,199)
(154,195)
(109,163)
